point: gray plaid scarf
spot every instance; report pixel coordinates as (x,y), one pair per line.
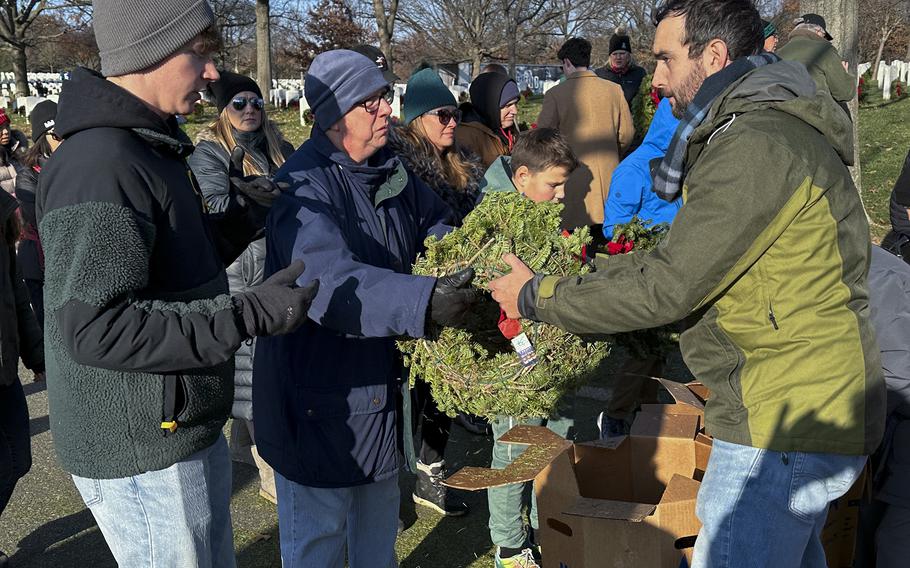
(669,175)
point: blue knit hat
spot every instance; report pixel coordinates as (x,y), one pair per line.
(336,81)
(425,92)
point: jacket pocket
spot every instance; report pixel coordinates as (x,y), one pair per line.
(712,361)
(174,402)
(319,404)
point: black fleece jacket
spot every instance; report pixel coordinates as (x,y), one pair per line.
(139,326)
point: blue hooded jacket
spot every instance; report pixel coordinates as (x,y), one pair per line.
(324,396)
(630,187)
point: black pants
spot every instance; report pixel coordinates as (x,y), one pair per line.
(15,440)
(431,426)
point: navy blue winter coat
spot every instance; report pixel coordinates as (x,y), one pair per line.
(326,416)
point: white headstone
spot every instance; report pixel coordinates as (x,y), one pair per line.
(881,74)
(862,68)
(885,79)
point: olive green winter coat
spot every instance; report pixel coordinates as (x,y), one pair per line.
(766,262)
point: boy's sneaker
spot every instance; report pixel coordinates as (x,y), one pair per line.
(524,559)
(430,492)
(611,427)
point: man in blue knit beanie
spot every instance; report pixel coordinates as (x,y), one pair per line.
(327,418)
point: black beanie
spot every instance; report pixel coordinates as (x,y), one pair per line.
(229,85)
(620,41)
(42,118)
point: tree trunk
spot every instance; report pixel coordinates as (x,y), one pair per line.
(476,61)
(20,70)
(385,27)
(263,48)
(842,17)
(881,47)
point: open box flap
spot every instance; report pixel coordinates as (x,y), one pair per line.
(544,446)
(680,488)
(687,401)
(653,425)
(615,510)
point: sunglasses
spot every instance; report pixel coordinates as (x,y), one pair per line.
(372,104)
(240,103)
(446,115)
(55,136)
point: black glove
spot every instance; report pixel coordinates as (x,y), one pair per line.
(260,189)
(276,306)
(453,297)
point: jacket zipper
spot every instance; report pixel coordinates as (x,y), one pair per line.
(771,316)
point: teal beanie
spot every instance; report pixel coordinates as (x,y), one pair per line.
(425,92)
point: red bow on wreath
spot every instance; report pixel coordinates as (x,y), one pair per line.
(620,246)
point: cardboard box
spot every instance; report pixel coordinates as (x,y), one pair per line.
(630,502)
(625,502)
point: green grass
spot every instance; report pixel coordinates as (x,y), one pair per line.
(884,141)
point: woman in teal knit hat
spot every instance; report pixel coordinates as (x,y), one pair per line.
(425,142)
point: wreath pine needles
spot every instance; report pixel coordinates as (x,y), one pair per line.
(475,369)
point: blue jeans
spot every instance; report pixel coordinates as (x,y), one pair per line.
(763,508)
(174,517)
(506,503)
(316,524)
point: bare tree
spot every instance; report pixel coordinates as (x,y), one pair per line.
(842,18)
(263,46)
(458,29)
(16,20)
(385,12)
(882,18)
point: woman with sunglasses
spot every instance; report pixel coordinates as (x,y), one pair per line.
(30,255)
(425,143)
(241,121)
(488,126)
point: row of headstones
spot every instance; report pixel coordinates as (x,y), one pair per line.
(399,88)
(889,73)
(26,103)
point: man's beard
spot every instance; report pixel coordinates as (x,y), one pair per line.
(685,94)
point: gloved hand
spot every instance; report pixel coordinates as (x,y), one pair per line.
(278,305)
(260,189)
(453,297)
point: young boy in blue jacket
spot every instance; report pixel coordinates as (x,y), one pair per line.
(631,195)
(538,168)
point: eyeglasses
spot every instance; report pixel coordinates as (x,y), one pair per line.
(446,115)
(240,103)
(55,136)
(372,104)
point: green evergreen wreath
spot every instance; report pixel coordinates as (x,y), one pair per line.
(476,369)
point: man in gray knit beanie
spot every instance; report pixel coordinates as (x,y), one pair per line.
(143,329)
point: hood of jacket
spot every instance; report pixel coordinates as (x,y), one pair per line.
(787,87)
(659,134)
(382,175)
(498,176)
(485,92)
(421,160)
(88,101)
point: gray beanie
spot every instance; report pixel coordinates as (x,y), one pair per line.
(336,81)
(133,35)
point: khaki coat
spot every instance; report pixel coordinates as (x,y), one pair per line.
(592,114)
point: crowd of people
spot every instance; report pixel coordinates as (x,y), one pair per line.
(163,285)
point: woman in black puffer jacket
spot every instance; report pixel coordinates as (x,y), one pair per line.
(20,336)
(241,122)
(30,254)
